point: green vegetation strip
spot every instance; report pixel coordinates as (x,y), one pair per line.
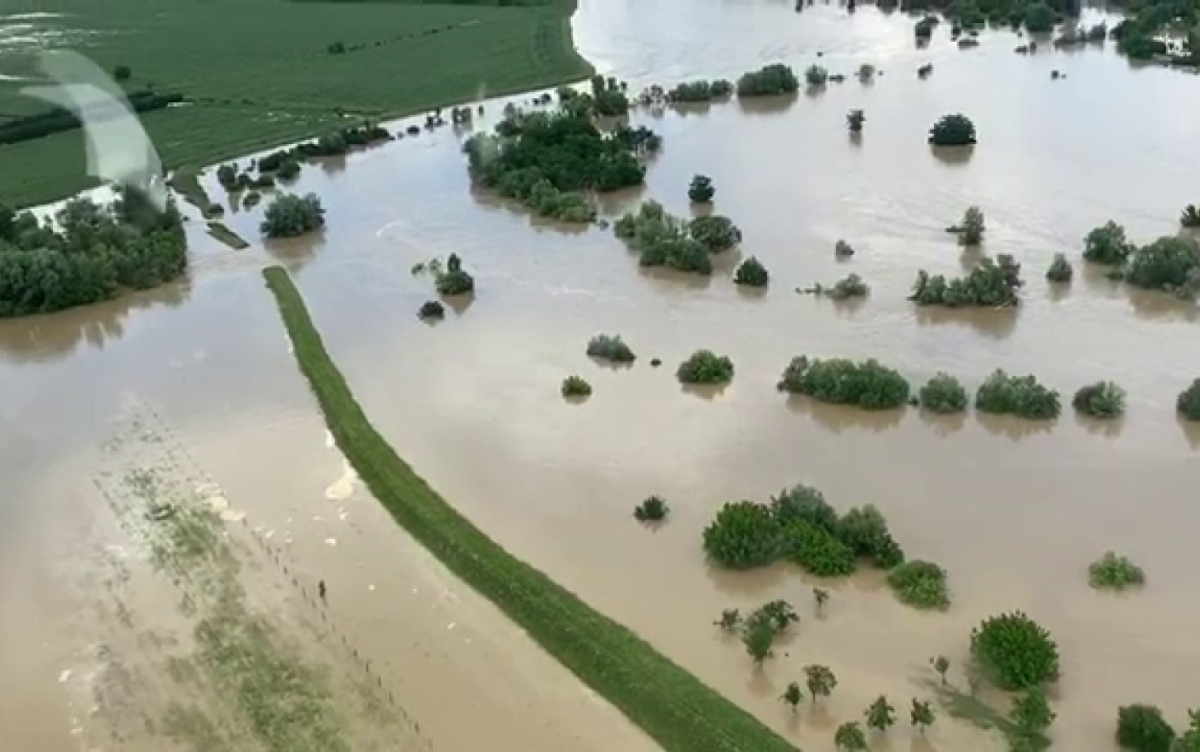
(672,706)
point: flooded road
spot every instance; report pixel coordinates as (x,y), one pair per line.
(1014,513)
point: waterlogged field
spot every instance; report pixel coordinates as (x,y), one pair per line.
(260,73)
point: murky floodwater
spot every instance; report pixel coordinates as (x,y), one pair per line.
(1015,514)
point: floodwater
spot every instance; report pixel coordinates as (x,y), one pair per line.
(1014,511)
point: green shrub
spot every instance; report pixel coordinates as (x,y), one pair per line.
(1142,728)
(701,190)
(816,551)
(700,91)
(743,535)
(1060,269)
(752,273)
(575,386)
(1015,651)
(653,509)
(290,216)
(1032,714)
(855,120)
(944,394)
(1188,403)
(1039,18)
(921,584)
(865,531)
(991,284)
(1107,245)
(850,286)
(777,614)
(953,130)
(1170,264)
(816,75)
(431,309)
(1113,572)
(714,232)
(802,503)
(1104,399)
(770,80)
(1190,216)
(849,737)
(970,230)
(705,367)
(1022,396)
(610,347)
(838,381)
(454,281)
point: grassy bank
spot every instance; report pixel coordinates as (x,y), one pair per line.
(259,72)
(677,710)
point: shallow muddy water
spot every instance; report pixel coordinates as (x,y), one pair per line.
(1015,512)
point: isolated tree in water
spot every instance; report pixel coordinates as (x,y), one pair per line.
(941,664)
(758,637)
(921,715)
(855,120)
(1031,712)
(850,738)
(701,190)
(880,714)
(821,596)
(820,681)
(792,695)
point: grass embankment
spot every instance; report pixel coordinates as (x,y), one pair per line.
(675,708)
(259,73)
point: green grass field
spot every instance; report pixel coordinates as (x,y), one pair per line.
(675,708)
(259,72)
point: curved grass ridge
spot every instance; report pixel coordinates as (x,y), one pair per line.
(673,707)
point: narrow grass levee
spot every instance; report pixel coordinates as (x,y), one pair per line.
(675,708)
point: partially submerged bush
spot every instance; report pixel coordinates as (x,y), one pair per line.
(1190,216)
(290,216)
(1060,270)
(700,91)
(701,190)
(855,120)
(816,75)
(1015,651)
(869,385)
(1188,403)
(705,367)
(770,80)
(575,386)
(970,230)
(610,347)
(842,249)
(1170,264)
(991,284)
(431,309)
(1142,728)
(817,551)
(944,394)
(1104,399)
(1107,244)
(752,273)
(454,281)
(1022,396)
(714,232)
(664,240)
(653,509)
(921,584)
(952,130)
(743,535)
(1113,572)
(865,531)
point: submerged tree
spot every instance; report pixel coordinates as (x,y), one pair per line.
(921,714)
(730,620)
(941,664)
(855,120)
(953,130)
(1060,270)
(1188,403)
(758,637)
(290,216)
(1031,712)
(816,75)
(653,509)
(849,737)
(1142,728)
(943,394)
(821,596)
(1114,572)
(701,190)
(880,715)
(1107,244)
(820,680)
(770,80)
(970,230)
(1015,651)
(1190,216)
(752,273)
(1104,400)
(792,695)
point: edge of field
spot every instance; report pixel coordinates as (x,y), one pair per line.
(671,705)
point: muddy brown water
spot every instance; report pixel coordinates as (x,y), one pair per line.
(1014,512)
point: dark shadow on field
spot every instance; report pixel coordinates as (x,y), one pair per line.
(997,323)
(1013,427)
(769,106)
(49,337)
(943,424)
(838,418)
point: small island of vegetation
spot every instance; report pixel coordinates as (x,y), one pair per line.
(943,394)
(869,385)
(768,81)
(953,130)
(1015,652)
(685,245)
(705,367)
(920,584)
(610,347)
(1114,572)
(1104,400)
(991,284)
(90,253)
(751,273)
(1022,396)
(291,216)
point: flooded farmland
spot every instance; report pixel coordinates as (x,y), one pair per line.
(194,385)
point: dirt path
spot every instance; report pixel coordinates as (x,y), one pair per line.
(209,643)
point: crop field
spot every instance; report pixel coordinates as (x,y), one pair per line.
(260,72)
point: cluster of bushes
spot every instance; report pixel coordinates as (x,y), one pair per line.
(543,159)
(700,91)
(608,97)
(1015,652)
(285,163)
(760,630)
(686,245)
(943,394)
(1139,35)
(610,347)
(952,130)
(291,216)
(705,367)
(991,284)
(770,80)
(751,273)
(653,509)
(1107,244)
(59,120)
(1170,264)
(1142,728)
(1022,396)
(1188,403)
(1104,399)
(839,381)
(453,280)
(921,584)
(1114,572)
(89,255)
(801,526)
